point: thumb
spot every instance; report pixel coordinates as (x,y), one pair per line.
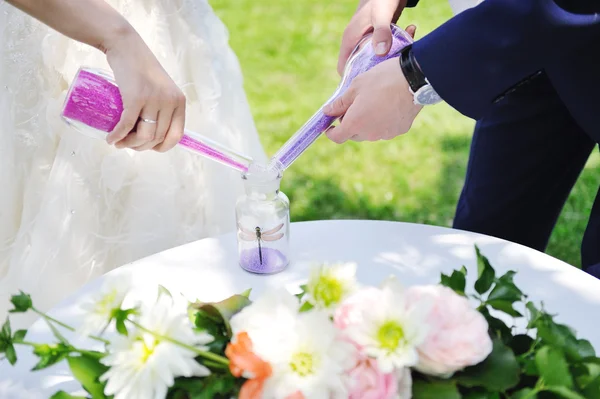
(340,105)
(381,18)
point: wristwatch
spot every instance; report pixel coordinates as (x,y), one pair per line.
(422,91)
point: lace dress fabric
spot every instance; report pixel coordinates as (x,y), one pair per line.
(73,208)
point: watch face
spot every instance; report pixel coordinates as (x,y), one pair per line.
(426,95)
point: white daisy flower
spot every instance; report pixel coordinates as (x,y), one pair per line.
(328,285)
(387,329)
(100,308)
(304,350)
(144,366)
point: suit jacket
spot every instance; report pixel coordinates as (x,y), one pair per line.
(481,55)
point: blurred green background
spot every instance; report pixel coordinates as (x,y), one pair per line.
(288,51)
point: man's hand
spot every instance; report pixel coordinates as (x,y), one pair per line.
(378,105)
(371,14)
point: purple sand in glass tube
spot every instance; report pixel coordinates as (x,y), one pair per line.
(362,59)
(94,101)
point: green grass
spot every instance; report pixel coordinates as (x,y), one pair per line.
(288,52)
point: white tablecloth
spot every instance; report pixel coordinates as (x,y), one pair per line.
(208,269)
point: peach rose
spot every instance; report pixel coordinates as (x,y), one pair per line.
(458,335)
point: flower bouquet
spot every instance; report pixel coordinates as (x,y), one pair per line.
(335,339)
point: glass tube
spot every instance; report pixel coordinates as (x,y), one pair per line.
(94,106)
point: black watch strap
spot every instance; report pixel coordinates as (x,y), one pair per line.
(413,74)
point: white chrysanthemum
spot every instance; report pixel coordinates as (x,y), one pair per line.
(304,350)
(99,309)
(143,366)
(328,285)
(387,329)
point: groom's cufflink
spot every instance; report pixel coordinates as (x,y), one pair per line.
(422,91)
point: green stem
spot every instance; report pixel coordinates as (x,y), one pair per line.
(223,361)
(51,319)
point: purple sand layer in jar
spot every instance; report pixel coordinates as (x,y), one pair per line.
(273,261)
(320,122)
(94,101)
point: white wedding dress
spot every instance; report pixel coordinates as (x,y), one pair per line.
(73,208)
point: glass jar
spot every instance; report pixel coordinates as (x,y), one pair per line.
(263,223)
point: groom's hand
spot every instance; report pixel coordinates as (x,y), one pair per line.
(378,105)
(370,14)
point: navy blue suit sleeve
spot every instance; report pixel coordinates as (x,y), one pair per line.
(481,53)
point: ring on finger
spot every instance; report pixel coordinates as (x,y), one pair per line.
(150,121)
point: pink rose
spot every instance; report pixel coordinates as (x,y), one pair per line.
(458,335)
(349,312)
(368,382)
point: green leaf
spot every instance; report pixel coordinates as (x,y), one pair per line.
(525,393)
(87,370)
(592,389)
(521,344)
(485,273)
(64,395)
(6,332)
(499,372)
(223,311)
(561,337)
(120,317)
(564,392)
(11,354)
(553,367)
(306,306)
(162,290)
(435,390)
(211,387)
(22,303)
(498,329)
(591,375)
(19,336)
(481,394)
(6,343)
(534,314)
(585,348)
(302,292)
(457,281)
(530,368)
(504,294)
(50,354)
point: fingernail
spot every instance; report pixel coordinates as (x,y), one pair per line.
(381,48)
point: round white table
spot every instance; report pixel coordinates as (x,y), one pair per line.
(208,270)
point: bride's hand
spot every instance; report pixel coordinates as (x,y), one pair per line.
(371,14)
(154,107)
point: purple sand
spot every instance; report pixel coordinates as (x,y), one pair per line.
(320,122)
(96,102)
(273,261)
(196,146)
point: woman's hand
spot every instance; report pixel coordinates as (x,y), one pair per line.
(370,14)
(154,114)
(154,107)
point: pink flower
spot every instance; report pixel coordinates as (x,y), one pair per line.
(367,381)
(349,312)
(458,335)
